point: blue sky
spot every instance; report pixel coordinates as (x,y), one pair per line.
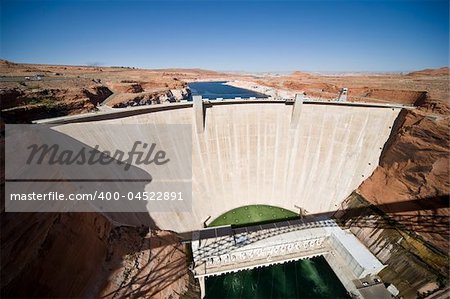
(339,35)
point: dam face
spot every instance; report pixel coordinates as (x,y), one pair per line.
(252,153)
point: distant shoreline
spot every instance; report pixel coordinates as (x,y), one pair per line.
(269,91)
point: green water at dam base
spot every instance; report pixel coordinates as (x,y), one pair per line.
(311,278)
(253,214)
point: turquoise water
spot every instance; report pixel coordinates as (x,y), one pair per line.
(312,278)
(213,90)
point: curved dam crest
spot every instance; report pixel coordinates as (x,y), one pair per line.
(249,153)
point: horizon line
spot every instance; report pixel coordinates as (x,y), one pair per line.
(324,72)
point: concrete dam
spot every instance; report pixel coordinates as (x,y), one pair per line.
(291,154)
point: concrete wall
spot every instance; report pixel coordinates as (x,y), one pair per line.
(353,253)
(250,154)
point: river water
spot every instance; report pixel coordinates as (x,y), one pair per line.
(312,278)
(216,89)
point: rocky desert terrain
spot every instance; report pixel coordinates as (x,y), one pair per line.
(30,92)
(414,165)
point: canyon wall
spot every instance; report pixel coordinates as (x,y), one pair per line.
(53,255)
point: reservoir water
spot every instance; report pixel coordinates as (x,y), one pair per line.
(312,278)
(217,89)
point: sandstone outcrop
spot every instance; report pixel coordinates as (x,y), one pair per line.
(414,165)
(52,255)
(149,98)
(29,92)
(27,101)
(127,87)
(82,255)
(146,264)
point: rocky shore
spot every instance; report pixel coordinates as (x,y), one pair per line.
(149,98)
(272,92)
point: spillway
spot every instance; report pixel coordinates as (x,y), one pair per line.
(251,152)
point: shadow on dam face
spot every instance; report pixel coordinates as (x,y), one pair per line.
(58,175)
(250,154)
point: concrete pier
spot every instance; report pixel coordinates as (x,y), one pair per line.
(297,110)
(199,116)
